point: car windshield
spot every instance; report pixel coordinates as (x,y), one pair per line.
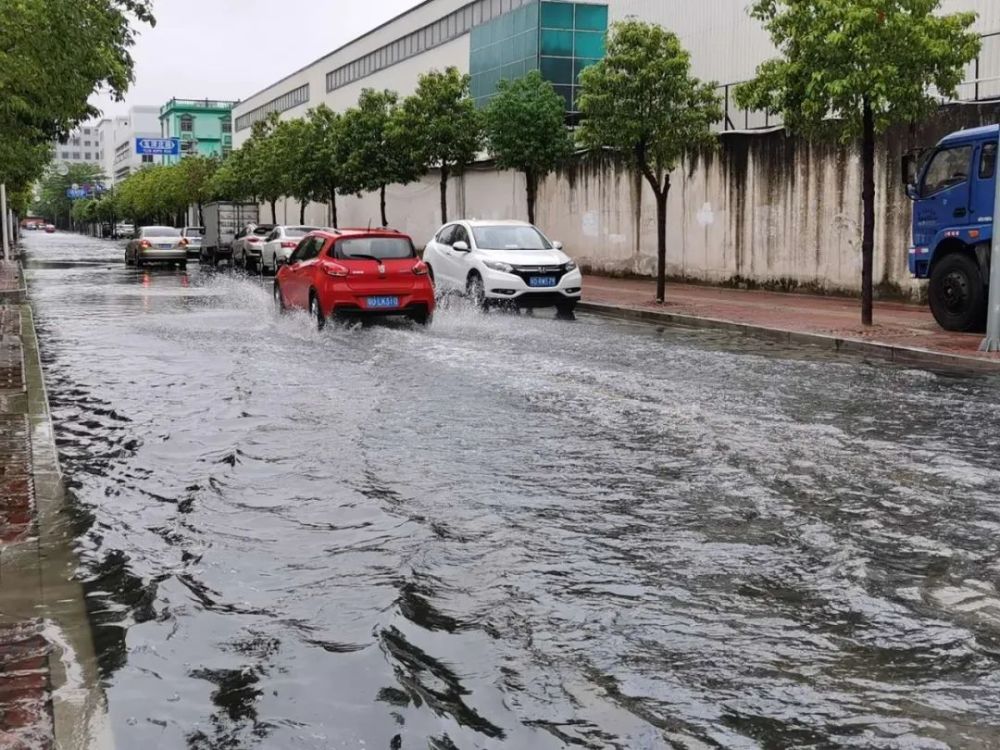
(262,230)
(191,231)
(299,231)
(160,232)
(510,238)
(383,248)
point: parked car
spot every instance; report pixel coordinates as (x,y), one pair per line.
(503,262)
(193,235)
(124,230)
(280,243)
(156,245)
(50,228)
(356,272)
(248,244)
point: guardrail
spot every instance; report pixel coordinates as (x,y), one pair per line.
(981,84)
(197,104)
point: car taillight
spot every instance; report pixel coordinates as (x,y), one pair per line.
(144,244)
(253,239)
(420,269)
(183,242)
(335,269)
(289,245)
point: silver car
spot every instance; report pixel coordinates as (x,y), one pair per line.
(193,236)
(280,243)
(156,245)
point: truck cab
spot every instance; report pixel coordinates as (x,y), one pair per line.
(953,191)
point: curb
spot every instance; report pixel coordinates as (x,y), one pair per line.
(903,355)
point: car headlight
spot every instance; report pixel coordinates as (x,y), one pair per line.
(571,265)
(495,265)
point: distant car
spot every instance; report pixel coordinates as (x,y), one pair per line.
(156,245)
(124,230)
(193,235)
(50,228)
(361,273)
(280,243)
(248,244)
(495,262)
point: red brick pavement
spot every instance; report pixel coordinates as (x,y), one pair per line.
(10,276)
(25,704)
(896,324)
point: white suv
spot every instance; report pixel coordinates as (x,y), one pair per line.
(503,261)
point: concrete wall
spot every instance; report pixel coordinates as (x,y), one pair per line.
(765,209)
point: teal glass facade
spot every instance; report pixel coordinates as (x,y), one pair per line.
(559,39)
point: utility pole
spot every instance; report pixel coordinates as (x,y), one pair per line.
(5,217)
(992,341)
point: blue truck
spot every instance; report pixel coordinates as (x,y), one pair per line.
(953,188)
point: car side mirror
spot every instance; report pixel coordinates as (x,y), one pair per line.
(557,245)
(462,246)
(912,193)
(282,261)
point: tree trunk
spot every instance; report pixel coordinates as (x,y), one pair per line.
(385,220)
(868,223)
(333,208)
(444,194)
(531,180)
(661,242)
(302,212)
(201,215)
(274,211)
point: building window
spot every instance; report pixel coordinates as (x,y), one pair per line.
(187,123)
(86,143)
(65,155)
(227,126)
(147,159)
(86,156)
(76,141)
(76,155)
(292,99)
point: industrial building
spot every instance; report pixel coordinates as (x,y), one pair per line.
(85,145)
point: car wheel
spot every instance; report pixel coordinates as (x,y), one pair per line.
(317,312)
(958,294)
(279,300)
(422,318)
(476,291)
(566,309)
(183,265)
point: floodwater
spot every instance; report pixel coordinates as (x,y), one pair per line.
(511,531)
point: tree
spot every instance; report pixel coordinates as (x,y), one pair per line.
(854,68)
(642,103)
(323,164)
(262,162)
(442,126)
(53,202)
(196,173)
(526,130)
(372,149)
(292,144)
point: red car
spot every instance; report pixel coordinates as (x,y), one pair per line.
(355,272)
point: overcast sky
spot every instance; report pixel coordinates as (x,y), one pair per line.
(230,49)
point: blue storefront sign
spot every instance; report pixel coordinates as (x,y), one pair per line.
(76,193)
(158,146)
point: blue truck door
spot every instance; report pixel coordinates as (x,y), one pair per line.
(945,193)
(984,184)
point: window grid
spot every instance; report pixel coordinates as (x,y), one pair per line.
(283,103)
(442,31)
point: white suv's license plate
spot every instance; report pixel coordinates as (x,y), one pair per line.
(542,281)
(383,302)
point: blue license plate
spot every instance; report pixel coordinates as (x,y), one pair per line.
(542,281)
(383,302)
(164,247)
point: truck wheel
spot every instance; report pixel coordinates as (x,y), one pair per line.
(958,293)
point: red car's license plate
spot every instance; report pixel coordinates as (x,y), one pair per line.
(383,302)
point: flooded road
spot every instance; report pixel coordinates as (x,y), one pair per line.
(512,532)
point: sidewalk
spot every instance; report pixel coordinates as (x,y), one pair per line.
(903,332)
(49,694)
